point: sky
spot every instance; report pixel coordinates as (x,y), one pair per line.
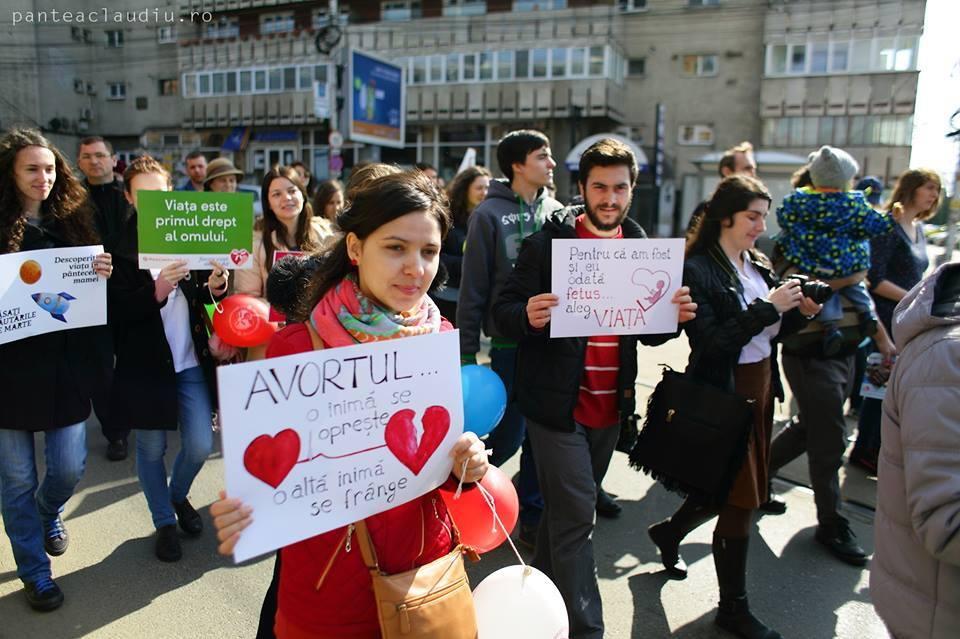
(938,91)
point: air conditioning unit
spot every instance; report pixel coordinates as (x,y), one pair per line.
(83,125)
(78,85)
(86,113)
(91,90)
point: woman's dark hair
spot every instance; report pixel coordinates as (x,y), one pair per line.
(363,175)
(379,203)
(305,238)
(459,192)
(733,194)
(325,191)
(68,202)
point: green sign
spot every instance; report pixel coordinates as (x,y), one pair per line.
(196,227)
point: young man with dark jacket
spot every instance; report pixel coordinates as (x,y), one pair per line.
(97,161)
(513,209)
(574,391)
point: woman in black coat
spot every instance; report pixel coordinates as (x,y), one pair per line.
(46,381)
(165,375)
(742,308)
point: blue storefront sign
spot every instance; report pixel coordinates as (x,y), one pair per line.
(377,100)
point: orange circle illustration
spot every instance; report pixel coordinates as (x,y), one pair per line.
(30,272)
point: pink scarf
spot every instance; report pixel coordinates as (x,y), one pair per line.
(344,316)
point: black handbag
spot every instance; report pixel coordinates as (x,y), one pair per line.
(694,438)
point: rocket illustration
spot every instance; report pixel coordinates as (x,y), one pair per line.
(54,303)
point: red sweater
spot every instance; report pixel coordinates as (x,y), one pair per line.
(407,536)
(597,402)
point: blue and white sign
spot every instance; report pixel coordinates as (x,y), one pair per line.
(376,101)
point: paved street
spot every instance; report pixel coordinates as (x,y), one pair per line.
(115,588)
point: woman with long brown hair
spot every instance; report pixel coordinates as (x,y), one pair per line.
(47,381)
(742,307)
(328,200)
(288,224)
(466,191)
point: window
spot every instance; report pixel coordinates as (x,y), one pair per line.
(290,78)
(596,61)
(419,70)
(578,62)
(396,10)
(189,85)
(275,79)
(171,139)
(704,3)
(905,58)
(505,65)
(464,7)
(435,68)
(860,55)
(223,27)
(818,57)
(886,54)
(453,67)
(246,82)
(320,73)
(469,67)
(259,80)
(632,5)
(798,58)
(558,63)
(838,55)
(538,5)
(703,65)
(117,91)
(168,86)
(539,57)
(695,135)
(305,78)
(777,59)
(114,39)
(166,35)
(141,103)
(523,64)
(276,23)
(636,66)
(486,65)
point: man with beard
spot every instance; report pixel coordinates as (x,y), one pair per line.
(574,391)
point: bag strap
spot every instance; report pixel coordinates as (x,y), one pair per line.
(366,546)
(314,337)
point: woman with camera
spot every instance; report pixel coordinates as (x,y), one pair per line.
(742,308)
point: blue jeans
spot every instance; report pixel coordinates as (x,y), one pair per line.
(510,434)
(26,510)
(196,438)
(856,294)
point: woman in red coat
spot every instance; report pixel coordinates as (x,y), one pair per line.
(372,286)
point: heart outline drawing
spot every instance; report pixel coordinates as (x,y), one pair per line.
(239,256)
(271,458)
(644,278)
(401,436)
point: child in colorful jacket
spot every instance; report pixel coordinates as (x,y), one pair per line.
(825,231)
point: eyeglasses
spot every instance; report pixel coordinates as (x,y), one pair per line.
(98,156)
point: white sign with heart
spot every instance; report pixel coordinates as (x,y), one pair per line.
(615,286)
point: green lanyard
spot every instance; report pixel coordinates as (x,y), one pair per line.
(536,216)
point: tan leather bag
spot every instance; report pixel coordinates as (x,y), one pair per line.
(430,602)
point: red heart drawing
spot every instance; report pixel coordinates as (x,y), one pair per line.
(401,436)
(239,256)
(655,283)
(270,459)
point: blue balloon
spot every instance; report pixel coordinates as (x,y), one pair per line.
(484,399)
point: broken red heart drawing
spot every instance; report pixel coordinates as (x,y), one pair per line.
(239,256)
(653,285)
(270,459)
(401,436)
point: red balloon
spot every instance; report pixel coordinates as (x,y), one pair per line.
(472,514)
(242,321)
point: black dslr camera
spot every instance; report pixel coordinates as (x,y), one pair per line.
(816,290)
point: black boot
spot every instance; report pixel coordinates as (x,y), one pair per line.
(733,613)
(668,534)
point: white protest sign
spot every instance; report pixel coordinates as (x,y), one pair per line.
(50,290)
(318,440)
(615,286)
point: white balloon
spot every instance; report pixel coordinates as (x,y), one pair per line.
(519,602)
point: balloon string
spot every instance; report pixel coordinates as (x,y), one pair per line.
(487,497)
